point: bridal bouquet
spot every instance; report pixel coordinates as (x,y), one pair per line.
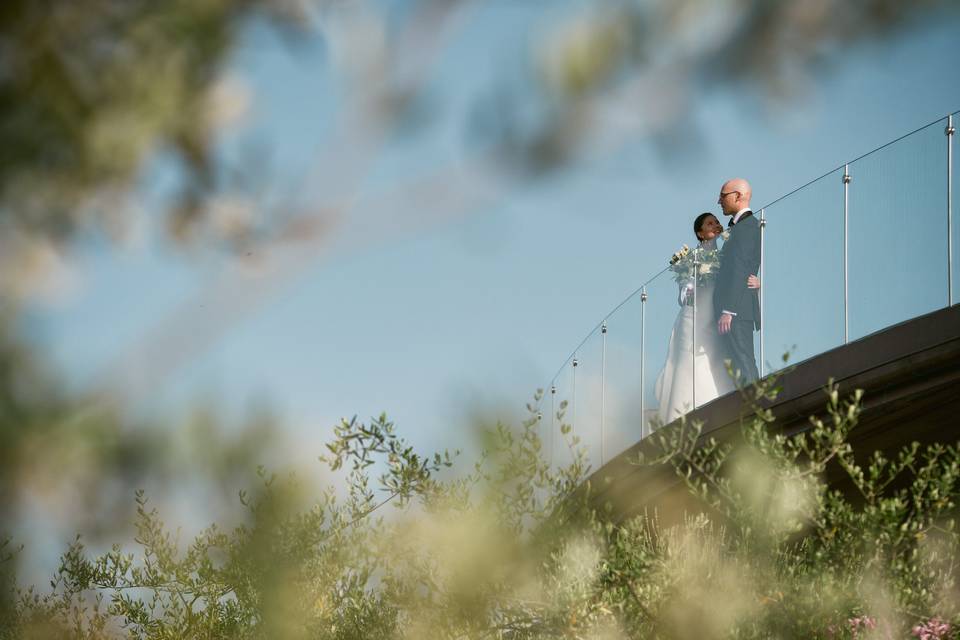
(707,264)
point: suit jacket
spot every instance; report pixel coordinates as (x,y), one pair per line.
(739,258)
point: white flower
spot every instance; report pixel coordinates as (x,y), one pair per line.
(680,255)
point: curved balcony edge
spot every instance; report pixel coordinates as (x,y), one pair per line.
(910,374)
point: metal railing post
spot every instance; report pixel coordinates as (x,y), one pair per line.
(573,398)
(949,132)
(643,337)
(846,270)
(540,424)
(603,388)
(553,413)
(693,354)
(763,226)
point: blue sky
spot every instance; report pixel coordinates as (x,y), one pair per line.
(466,315)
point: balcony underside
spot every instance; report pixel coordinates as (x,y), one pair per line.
(910,374)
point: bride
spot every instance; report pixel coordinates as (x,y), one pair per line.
(705,371)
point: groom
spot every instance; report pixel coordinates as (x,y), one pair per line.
(738,307)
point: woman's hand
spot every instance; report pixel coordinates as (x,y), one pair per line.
(753,282)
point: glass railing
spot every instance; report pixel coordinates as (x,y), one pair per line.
(897,223)
(803,279)
(865,246)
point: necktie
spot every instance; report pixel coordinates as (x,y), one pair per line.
(730,224)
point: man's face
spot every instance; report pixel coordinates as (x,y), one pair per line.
(729,201)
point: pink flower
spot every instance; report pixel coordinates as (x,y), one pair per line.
(861,623)
(932,629)
(856,625)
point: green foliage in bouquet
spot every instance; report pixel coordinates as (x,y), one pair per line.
(700,263)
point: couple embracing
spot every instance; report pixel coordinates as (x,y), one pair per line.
(727,308)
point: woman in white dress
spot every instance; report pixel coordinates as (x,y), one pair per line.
(706,370)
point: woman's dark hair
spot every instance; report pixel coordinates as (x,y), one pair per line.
(698,223)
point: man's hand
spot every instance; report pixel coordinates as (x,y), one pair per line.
(723,324)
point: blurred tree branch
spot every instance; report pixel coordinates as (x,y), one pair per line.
(90,91)
(627,70)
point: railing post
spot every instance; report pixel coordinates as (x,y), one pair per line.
(693,354)
(573,397)
(846,270)
(540,423)
(763,226)
(949,132)
(603,381)
(643,338)
(553,413)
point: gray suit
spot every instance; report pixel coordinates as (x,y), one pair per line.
(739,259)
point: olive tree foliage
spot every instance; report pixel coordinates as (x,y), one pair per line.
(91,94)
(804,558)
(75,461)
(517,549)
(627,70)
(333,567)
(92,91)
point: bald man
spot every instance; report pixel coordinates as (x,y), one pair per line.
(736,305)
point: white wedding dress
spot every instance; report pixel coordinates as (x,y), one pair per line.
(682,370)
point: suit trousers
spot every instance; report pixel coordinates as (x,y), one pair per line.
(739,345)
